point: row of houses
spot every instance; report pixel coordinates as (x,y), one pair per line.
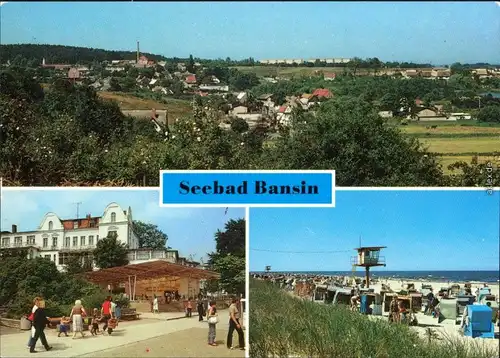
(434,73)
(302,61)
(282,112)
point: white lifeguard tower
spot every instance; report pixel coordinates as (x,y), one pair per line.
(368,257)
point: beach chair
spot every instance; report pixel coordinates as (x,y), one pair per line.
(478,322)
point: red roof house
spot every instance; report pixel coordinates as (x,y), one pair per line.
(323,93)
(191,79)
(329,76)
(418,102)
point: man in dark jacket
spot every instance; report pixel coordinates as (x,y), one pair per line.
(40,320)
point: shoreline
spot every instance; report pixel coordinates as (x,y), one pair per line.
(374,275)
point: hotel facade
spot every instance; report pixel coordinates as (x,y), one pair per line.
(58,239)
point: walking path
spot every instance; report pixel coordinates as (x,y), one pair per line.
(128,332)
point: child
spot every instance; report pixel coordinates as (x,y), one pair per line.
(95,322)
(63,326)
(111,325)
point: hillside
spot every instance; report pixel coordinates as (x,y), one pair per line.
(66,54)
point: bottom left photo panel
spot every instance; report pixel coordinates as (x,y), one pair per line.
(109,273)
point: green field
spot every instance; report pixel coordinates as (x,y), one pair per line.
(270,71)
(458,141)
(284,326)
(176,108)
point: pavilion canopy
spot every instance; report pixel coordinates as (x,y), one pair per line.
(147,270)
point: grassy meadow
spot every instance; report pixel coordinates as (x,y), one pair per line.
(284,326)
(177,108)
(458,141)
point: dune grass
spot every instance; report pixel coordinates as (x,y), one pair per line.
(283,326)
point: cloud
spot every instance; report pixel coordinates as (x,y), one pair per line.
(3,3)
(310,231)
(498,3)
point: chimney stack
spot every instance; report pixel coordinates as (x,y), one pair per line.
(137,60)
(14,229)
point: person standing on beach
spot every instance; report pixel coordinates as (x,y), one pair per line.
(394,310)
(430,298)
(234,324)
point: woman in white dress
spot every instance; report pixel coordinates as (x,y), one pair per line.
(155,305)
(77,313)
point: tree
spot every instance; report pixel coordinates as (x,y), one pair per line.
(474,174)
(190,65)
(229,258)
(23,279)
(239,125)
(110,252)
(489,114)
(351,138)
(150,236)
(74,265)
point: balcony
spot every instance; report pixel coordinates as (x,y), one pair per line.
(77,248)
(17,245)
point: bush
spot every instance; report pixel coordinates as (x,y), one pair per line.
(24,279)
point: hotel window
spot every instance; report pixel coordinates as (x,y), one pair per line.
(6,241)
(112,234)
(91,240)
(30,240)
(75,240)
(18,241)
(82,240)
(67,241)
(54,242)
(47,257)
(63,258)
(45,241)
(54,258)
(75,225)
(113,217)
(51,225)
(96,239)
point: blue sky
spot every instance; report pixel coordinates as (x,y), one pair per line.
(190,230)
(436,32)
(423,230)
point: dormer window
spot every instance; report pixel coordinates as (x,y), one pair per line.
(51,225)
(75,224)
(113,217)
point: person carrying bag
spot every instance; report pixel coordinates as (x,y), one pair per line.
(212,319)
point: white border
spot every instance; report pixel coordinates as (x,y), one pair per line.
(239,205)
(247,282)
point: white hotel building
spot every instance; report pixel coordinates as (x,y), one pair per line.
(57,239)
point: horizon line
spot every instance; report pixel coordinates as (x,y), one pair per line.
(245,58)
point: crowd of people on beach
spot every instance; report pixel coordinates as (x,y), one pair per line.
(109,314)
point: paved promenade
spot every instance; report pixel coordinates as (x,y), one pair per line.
(167,334)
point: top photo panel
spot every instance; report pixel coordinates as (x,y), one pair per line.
(385,93)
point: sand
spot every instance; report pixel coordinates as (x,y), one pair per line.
(397,285)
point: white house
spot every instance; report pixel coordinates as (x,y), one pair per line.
(57,239)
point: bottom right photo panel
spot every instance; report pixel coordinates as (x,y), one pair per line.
(385,273)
